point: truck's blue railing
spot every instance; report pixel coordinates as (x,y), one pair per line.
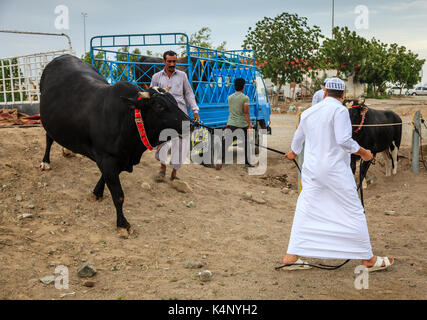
(211,72)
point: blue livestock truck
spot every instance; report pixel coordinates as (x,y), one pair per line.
(211,73)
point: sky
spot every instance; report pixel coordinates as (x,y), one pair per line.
(392,21)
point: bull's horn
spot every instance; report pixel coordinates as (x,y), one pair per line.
(144,95)
(361,101)
(167,89)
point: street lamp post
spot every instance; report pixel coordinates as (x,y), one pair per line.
(84,15)
(333,9)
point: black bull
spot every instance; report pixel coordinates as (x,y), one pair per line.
(86,115)
(375,130)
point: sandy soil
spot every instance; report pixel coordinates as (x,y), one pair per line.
(239,240)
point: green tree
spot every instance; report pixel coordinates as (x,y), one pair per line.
(125,55)
(375,70)
(154,54)
(86,57)
(405,67)
(98,64)
(201,38)
(285,47)
(345,52)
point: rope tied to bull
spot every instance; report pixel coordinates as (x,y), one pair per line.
(380,124)
(363,118)
(211,130)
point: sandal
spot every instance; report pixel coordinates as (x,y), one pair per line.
(297,265)
(160,177)
(379,264)
(175,178)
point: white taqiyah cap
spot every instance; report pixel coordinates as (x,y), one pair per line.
(335,84)
(326,80)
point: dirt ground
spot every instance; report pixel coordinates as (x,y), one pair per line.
(239,240)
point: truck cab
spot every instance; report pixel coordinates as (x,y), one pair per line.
(263,104)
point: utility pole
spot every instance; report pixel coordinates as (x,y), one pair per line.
(333,9)
(84,15)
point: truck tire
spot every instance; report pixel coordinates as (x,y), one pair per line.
(257,135)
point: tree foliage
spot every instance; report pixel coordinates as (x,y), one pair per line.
(284,46)
(86,57)
(10,76)
(375,70)
(370,61)
(405,67)
(125,55)
(345,52)
(201,38)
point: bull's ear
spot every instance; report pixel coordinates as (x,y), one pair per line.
(129,101)
(167,89)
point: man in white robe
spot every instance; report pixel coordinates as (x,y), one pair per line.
(319,95)
(329,219)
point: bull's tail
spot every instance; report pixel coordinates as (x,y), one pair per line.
(398,135)
(394,156)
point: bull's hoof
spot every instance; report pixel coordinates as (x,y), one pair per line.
(67,153)
(364,184)
(44,166)
(130,231)
(125,233)
(93,197)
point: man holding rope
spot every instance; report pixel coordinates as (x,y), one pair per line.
(181,90)
(329,219)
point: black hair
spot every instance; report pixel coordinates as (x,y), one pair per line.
(334,93)
(239,84)
(168,53)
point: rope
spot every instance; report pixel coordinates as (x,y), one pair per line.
(320,266)
(21,126)
(362,176)
(380,125)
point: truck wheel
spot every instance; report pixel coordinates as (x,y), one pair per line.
(256,138)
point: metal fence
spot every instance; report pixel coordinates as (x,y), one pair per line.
(20,77)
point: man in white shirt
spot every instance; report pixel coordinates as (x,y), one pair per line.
(319,95)
(179,86)
(329,219)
